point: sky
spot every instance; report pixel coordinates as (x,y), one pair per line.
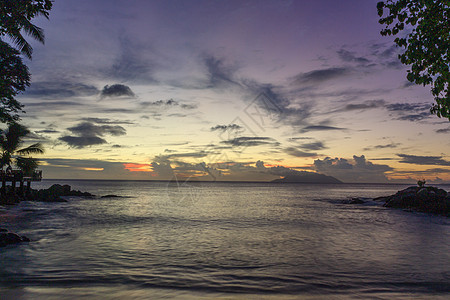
(228,90)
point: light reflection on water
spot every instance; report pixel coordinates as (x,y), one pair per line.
(224,240)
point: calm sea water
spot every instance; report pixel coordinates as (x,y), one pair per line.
(223,240)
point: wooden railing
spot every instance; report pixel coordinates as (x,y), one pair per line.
(18,175)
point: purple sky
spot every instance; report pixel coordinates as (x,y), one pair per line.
(228,90)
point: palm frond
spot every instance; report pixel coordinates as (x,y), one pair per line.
(32,149)
(34,31)
(5,159)
(21,43)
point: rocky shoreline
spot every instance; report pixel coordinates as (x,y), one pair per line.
(428,199)
(10,238)
(52,194)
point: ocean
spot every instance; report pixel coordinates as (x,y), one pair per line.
(202,240)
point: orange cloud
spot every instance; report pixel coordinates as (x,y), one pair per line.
(92,169)
(138,167)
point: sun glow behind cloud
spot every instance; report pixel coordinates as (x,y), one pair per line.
(138,167)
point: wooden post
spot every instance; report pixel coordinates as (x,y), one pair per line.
(21,187)
(28,186)
(3,186)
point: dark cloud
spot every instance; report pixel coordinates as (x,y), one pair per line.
(272,105)
(58,90)
(408,84)
(364,106)
(300,138)
(47,131)
(320,128)
(163,169)
(178,115)
(105,121)
(89,129)
(167,103)
(410,111)
(298,153)
(313,146)
(116,90)
(89,134)
(54,104)
(198,154)
(350,56)
(188,106)
(219,73)
(119,110)
(357,170)
(224,128)
(443,130)
(385,146)
(131,64)
(250,141)
(175,144)
(423,160)
(82,141)
(319,76)
(386,54)
(35,137)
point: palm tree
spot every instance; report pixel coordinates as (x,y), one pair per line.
(11,140)
(16,17)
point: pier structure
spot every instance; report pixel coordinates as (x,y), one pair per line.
(15,176)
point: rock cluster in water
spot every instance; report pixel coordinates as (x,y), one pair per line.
(418,198)
(10,238)
(52,194)
(55,192)
(426,199)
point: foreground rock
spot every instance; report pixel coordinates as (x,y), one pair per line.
(11,238)
(55,192)
(52,194)
(424,199)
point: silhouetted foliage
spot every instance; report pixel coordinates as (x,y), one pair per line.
(16,16)
(27,165)
(425,28)
(14,78)
(11,140)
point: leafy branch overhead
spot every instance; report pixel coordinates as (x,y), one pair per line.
(423,28)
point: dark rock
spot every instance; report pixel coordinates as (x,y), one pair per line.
(356,201)
(55,192)
(353,201)
(381,199)
(425,199)
(9,238)
(111,196)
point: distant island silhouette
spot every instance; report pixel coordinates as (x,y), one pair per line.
(307,177)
